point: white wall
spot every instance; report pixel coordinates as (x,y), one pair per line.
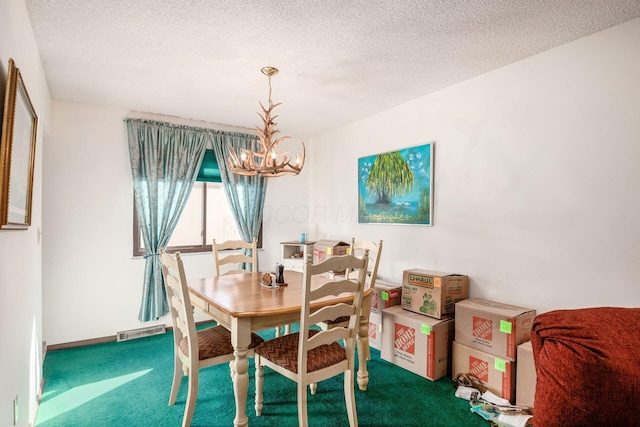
(20,253)
(535,188)
(92,285)
(537,177)
(286,210)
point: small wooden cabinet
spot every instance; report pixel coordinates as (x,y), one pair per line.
(293,254)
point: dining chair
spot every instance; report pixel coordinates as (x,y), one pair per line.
(359,249)
(193,349)
(235,258)
(310,356)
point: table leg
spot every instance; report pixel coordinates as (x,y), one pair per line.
(363,344)
(241,338)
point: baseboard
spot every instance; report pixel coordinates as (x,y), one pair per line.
(92,341)
(81,343)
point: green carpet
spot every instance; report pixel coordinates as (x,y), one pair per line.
(128,384)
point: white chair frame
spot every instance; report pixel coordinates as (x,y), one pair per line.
(189,363)
(235,258)
(330,338)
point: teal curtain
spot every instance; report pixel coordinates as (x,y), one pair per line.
(245,194)
(165,160)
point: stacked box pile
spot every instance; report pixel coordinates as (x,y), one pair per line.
(487,336)
(417,335)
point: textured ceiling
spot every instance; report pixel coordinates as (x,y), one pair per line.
(339,60)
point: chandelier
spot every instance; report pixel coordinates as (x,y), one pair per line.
(268,161)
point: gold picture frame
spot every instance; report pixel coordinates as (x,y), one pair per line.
(17,153)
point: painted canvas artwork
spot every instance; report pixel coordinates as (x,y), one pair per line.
(396,187)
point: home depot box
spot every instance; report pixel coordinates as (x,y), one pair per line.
(385,295)
(432,293)
(525,376)
(375,330)
(417,343)
(496,373)
(493,327)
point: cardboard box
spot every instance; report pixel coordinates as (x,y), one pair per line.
(496,373)
(525,376)
(375,331)
(325,249)
(385,295)
(432,293)
(417,343)
(493,327)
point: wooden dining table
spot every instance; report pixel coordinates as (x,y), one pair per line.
(240,303)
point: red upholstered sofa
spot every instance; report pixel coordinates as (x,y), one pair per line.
(588,367)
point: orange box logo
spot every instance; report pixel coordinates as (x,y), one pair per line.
(374,302)
(373,330)
(405,338)
(479,368)
(483,328)
(416,279)
(319,255)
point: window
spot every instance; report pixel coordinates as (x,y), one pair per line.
(206,215)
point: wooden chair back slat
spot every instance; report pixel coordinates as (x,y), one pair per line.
(327,337)
(333,289)
(332,312)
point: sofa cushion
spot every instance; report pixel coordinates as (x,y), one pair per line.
(588,367)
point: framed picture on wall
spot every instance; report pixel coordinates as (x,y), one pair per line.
(397,187)
(17,153)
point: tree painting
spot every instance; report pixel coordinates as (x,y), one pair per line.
(396,187)
(390,176)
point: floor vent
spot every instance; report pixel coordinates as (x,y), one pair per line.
(139,333)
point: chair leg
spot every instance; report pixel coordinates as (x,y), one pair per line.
(231,369)
(313,387)
(302,405)
(367,351)
(350,399)
(177,379)
(259,384)
(192,396)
